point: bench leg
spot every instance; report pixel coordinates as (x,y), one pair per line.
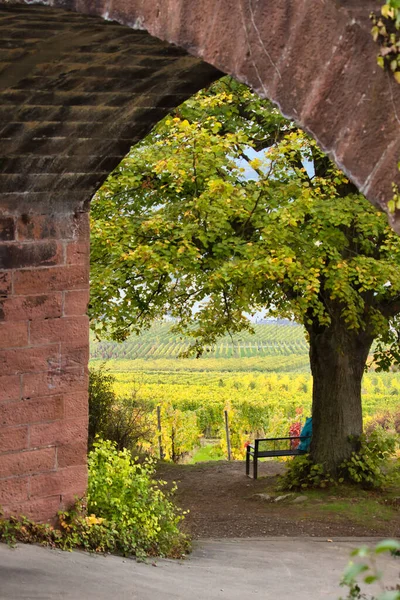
(255,466)
(248,461)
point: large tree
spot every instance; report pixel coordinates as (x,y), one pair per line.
(195,225)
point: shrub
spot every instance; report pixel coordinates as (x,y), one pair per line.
(125,494)
(387,420)
(101,401)
(294,431)
(126,421)
(367,465)
(303,473)
(131,423)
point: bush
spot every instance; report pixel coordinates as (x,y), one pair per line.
(125,494)
(126,512)
(386,420)
(101,401)
(125,421)
(302,473)
(367,467)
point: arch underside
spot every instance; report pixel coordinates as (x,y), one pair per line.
(78,87)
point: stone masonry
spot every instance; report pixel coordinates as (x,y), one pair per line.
(43,358)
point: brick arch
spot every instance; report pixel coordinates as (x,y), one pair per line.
(315,59)
(76,90)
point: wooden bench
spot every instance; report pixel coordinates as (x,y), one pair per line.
(262,449)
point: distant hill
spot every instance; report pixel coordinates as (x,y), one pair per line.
(272,338)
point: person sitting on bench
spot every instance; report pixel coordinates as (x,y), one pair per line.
(306,432)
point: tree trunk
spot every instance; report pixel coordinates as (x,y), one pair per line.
(337,358)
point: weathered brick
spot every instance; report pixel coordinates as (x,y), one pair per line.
(41,227)
(7,229)
(30,461)
(14,490)
(59,433)
(14,255)
(76,302)
(13,334)
(40,509)
(78,253)
(5,282)
(76,405)
(13,438)
(38,281)
(73,329)
(25,360)
(32,411)
(10,387)
(72,455)
(48,383)
(74,354)
(68,480)
(42,306)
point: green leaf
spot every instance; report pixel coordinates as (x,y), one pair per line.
(352,571)
(387,546)
(390,595)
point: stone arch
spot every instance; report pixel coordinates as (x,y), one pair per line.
(76,90)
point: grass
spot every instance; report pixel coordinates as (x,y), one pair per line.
(206,454)
(361,511)
(348,504)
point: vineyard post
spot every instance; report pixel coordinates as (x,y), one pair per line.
(159,432)
(228,440)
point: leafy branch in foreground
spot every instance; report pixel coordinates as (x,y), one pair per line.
(367,569)
(386,32)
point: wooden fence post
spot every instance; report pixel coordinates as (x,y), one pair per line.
(160,446)
(228,439)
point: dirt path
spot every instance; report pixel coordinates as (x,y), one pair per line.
(222,503)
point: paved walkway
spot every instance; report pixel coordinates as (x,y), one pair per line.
(267,569)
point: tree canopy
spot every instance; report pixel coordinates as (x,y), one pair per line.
(195,225)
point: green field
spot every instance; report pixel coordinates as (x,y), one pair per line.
(269,340)
(264,382)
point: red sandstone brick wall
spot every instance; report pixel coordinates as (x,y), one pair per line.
(44,274)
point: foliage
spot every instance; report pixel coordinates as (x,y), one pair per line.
(101,402)
(367,569)
(367,465)
(386,32)
(180,431)
(387,420)
(124,420)
(261,404)
(294,431)
(188,227)
(302,473)
(124,493)
(20,529)
(127,512)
